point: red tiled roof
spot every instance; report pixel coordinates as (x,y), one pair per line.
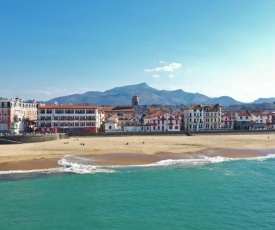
(111,122)
(67,107)
(243,113)
(112,109)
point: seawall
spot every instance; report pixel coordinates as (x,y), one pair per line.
(216,132)
(20,139)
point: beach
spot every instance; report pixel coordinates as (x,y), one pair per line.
(131,150)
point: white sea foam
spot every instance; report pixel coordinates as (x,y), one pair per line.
(73,167)
(202,160)
(188,162)
(69,164)
(262,158)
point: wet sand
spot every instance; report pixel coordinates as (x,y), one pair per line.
(29,164)
(134,150)
(142,159)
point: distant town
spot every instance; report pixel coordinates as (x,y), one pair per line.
(18,117)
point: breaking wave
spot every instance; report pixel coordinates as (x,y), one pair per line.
(80,165)
(79,168)
(203,160)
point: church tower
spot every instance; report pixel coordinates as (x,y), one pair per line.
(135,100)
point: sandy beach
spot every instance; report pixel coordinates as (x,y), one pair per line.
(128,150)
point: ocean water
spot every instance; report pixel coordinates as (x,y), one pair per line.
(210,194)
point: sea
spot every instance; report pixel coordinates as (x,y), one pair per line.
(209,193)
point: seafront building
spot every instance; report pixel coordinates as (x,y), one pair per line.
(162,122)
(202,117)
(111,123)
(69,118)
(227,121)
(18,116)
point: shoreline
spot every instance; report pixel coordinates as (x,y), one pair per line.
(131,159)
(137,150)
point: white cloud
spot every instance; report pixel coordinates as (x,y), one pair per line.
(171,76)
(168,68)
(156,76)
(162,62)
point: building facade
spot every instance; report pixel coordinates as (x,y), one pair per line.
(202,118)
(242,120)
(17,116)
(69,118)
(112,124)
(162,122)
(227,121)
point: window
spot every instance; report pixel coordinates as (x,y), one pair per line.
(80,111)
(59,111)
(110,127)
(69,111)
(90,111)
(170,127)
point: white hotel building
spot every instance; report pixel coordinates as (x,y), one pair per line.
(16,115)
(69,118)
(202,117)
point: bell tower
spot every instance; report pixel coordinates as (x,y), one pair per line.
(135,100)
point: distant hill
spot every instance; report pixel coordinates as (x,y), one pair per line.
(250,106)
(147,95)
(224,100)
(265,100)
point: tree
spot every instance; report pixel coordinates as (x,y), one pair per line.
(102,128)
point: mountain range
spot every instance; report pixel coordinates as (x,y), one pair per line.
(147,96)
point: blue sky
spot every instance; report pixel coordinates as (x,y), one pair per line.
(214,47)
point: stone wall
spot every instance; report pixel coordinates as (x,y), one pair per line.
(211,132)
(20,139)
